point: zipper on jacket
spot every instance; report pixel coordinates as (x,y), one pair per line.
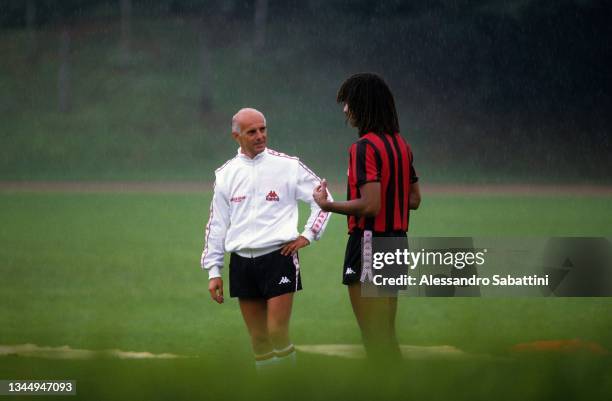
(254,200)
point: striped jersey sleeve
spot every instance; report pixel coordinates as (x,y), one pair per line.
(307,181)
(216,229)
(413,175)
(367,163)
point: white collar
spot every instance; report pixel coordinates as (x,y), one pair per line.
(257,157)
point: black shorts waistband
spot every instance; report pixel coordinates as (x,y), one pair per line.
(359,233)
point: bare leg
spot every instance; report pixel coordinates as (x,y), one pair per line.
(392,316)
(254,312)
(279,313)
(355,297)
(376,319)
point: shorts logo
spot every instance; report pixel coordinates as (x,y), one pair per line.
(349,271)
(272,196)
(284,280)
(237,199)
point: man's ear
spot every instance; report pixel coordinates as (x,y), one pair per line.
(235,135)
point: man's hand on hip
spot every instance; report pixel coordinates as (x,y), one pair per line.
(293,246)
(215,287)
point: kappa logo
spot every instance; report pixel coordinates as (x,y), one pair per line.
(237,199)
(349,271)
(272,197)
(319,222)
(284,280)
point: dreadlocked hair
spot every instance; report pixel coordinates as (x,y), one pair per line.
(370,104)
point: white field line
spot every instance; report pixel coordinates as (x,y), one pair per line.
(413,352)
(66,352)
(349,351)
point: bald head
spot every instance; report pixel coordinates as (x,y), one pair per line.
(249,130)
(245,117)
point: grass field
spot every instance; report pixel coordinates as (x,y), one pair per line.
(110,270)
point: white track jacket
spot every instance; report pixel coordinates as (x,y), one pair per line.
(254,209)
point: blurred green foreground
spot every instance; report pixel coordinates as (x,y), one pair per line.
(121,271)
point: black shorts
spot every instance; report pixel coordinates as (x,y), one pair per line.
(265,276)
(353,255)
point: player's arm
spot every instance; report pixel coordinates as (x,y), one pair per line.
(368,205)
(366,160)
(214,248)
(306,182)
(414,199)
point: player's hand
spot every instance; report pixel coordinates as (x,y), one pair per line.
(293,246)
(215,287)
(320,194)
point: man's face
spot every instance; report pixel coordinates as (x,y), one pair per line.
(253,134)
(347,114)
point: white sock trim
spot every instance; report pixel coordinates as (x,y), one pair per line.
(285,352)
(265,357)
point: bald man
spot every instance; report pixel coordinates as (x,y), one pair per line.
(254,216)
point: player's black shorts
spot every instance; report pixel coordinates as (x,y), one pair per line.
(353,255)
(265,276)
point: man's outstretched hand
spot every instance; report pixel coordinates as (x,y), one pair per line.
(293,246)
(215,287)
(320,195)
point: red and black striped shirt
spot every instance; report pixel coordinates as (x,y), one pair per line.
(386,159)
